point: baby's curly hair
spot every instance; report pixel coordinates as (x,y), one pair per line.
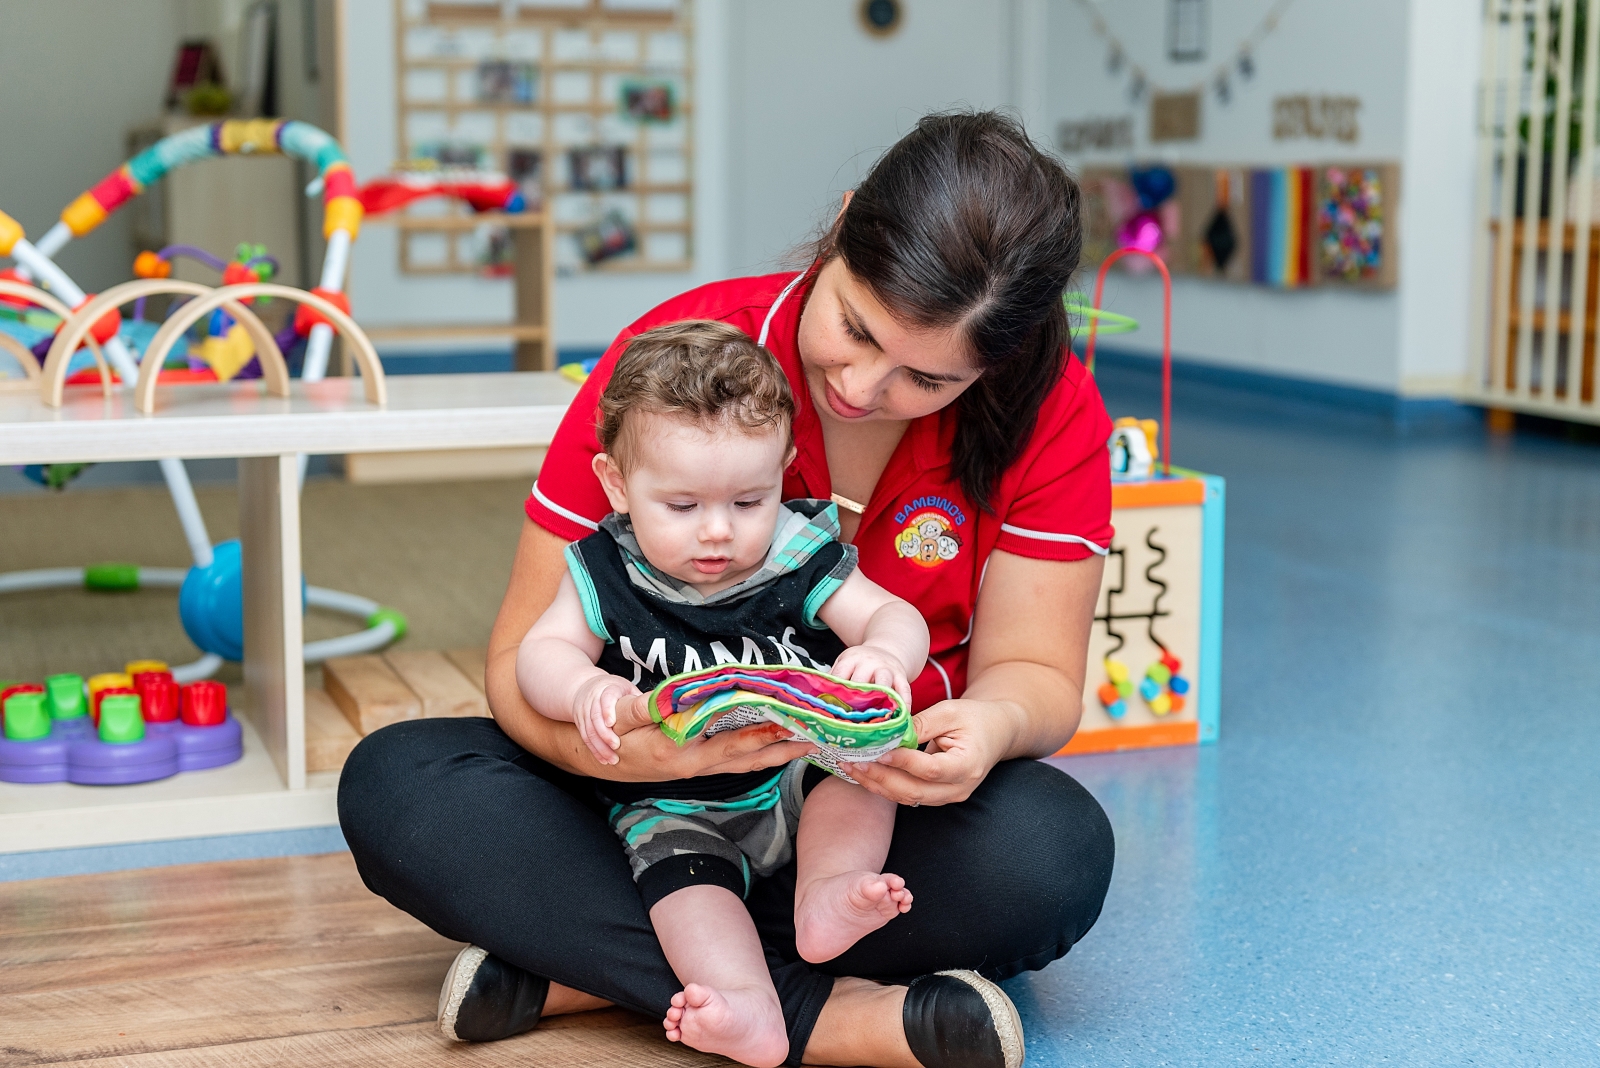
(699,370)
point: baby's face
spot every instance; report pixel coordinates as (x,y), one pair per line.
(704,502)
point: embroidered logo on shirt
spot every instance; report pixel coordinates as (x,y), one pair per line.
(928,536)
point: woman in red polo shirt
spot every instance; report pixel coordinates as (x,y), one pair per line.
(939,406)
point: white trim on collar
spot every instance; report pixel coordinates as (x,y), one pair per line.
(766,324)
(564,513)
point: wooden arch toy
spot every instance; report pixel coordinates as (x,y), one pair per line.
(266,347)
(25,357)
(75,331)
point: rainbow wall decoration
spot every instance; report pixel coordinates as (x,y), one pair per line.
(1283,230)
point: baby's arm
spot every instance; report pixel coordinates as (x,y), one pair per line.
(557,675)
(888,638)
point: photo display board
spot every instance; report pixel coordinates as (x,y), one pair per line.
(586,104)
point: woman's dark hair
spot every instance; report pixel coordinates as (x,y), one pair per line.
(965,223)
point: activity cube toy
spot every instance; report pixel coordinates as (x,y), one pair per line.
(1160,602)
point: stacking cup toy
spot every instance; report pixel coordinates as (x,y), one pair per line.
(26,717)
(207,736)
(98,698)
(65,696)
(158,696)
(205,703)
(29,751)
(122,753)
(107,678)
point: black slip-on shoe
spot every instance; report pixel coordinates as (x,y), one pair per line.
(958,1019)
(484,999)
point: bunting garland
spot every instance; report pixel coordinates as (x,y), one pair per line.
(1241,64)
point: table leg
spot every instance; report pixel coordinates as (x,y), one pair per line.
(274,664)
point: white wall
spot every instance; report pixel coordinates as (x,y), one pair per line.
(816,100)
(74,76)
(1352,47)
(1436,227)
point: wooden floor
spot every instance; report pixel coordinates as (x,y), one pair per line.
(255,962)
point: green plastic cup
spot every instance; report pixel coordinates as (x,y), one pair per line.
(65,697)
(121,720)
(26,718)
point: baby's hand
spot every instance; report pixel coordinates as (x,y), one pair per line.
(867,663)
(595,709)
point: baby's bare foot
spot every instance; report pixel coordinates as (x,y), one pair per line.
(745,1025)
(832,914)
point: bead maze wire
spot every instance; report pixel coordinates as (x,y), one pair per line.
(1096,314)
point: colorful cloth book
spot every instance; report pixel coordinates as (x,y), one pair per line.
(848,722)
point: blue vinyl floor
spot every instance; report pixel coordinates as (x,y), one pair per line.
(1393,855)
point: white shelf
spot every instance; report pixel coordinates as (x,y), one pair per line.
(269,788)
(240,419)
(237,798)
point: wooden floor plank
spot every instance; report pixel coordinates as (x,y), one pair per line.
(195,890)
(619,1041)
(286,960)
(176,949)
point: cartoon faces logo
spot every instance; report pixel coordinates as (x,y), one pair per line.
(928,538)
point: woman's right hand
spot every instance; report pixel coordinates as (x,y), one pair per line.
(648,755)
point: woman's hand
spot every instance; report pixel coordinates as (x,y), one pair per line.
(649,755)
(964,740)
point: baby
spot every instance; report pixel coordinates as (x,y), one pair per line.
(701,562)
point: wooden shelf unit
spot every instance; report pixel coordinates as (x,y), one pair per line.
(271,788)
(663,233)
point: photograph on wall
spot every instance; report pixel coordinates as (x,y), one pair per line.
(453,155)
(610,237)
(648,101)
(525,167)
(597,168)
(502,81)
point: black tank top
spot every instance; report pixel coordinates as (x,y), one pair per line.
(649,638)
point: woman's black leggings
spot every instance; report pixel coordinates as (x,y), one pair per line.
(455,823)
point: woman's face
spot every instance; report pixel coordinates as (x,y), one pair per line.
(862,364)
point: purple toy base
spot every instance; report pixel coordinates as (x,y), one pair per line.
(92,762)
(44,760)
(204,747)
(73,753)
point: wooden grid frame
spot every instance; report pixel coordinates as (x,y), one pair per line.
(1536,238)
(597,18)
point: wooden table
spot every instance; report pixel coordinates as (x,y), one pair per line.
(269,789)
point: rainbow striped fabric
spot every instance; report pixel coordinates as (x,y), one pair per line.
(848,722)
(1283,226)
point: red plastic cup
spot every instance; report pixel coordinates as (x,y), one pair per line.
(205,703)
(158,696)
(94,706)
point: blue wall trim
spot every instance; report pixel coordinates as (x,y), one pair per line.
(1404,413)
(88,860)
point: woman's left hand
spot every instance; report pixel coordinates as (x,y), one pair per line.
(963,742)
